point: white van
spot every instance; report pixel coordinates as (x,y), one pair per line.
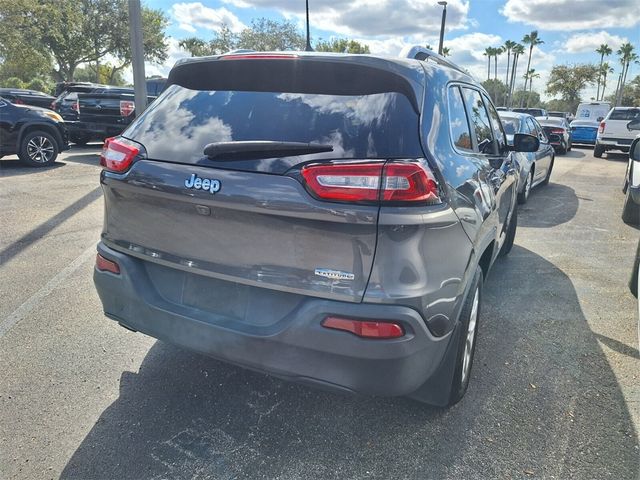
(592,111)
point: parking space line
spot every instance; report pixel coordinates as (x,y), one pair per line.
(35,299)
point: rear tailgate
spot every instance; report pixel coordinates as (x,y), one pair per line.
(260,226)
(616,125)
(106,108)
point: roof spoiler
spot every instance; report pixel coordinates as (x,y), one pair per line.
(418,52)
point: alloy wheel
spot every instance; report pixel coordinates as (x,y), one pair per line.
(471,337)
(40,149)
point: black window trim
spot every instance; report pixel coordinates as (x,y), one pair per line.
(474,143)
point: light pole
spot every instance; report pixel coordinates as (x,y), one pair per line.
(308,47)
(137,56)
(444,18)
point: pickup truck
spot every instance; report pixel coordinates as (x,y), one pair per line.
(95,112)
(614,133)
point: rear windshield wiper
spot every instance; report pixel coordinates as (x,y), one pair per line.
(262,149)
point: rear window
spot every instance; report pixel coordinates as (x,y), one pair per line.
(626,114)
(511,125)
(182,122)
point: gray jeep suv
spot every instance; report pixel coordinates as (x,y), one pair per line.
(325,218)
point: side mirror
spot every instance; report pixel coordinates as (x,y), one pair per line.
(634,124)
(523,142)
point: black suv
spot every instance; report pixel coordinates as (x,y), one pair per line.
(325,218)
(36,134)
(20,96)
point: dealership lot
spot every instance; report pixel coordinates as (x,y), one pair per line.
(554,390)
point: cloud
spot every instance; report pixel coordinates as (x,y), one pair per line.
(367,17)
(588,42)
(572,15)
(174,53)
(195,14)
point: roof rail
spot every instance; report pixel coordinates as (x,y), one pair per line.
(421,53)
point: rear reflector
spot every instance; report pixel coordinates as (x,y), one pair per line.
(105,265)
(118,154)
(602,125)
(364,328)
(395,181)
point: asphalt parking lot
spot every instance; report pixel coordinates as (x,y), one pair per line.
(554,392)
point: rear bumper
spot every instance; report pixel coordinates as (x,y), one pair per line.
(295,347)
(98,131)
(616,143)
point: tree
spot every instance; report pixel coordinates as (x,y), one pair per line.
(522,97)
(631,94)
(341,45)
(531,74)
(627,56)
(271,35)
(605,69)
(13,82)
(517,51)
(106,74)
(446,51)
(496,52)
(497,90)
(532,40)
(568,81)
(488,52)
(603,50)
(507,47)
(223,41)
(74,32)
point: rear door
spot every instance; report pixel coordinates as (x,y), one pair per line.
(261,225)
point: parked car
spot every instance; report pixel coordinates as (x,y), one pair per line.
(19,96)
(631,189)
(613,133)
(558,132)
(95,112)
(344,245)
(568,116)
(37,135)
(534,167)
(534,112)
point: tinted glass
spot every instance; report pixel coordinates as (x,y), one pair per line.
(511,125)
(459,124)
(182,122)
(628,114)
(480,120)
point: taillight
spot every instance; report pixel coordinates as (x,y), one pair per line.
(394,181)
(52,106)
(127,107)
(602,125)
(558,131)
(259,56)
(118,154)
(17,101)
(365,328)
(105,265)
(75,106)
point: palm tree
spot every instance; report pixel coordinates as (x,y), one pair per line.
(603,50)
(532,40)
(605,69)
(446,51)
(507,47)
(488,52)
(517,51)
(627,56)
(532,74)
(496,52)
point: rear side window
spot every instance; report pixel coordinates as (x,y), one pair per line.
(181,122)
(511,125)
(498,133)
(480,121)
(627,114)
(458,121)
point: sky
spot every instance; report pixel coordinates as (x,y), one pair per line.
(571,29)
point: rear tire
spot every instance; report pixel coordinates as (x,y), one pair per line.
(630,210)
(523,196)
(467,340)
(548,177)
(563,149)
(38,149)
(511,233)
(598,150)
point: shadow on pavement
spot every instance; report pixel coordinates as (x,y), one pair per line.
(41,230)
(548,206)
(543,402)
(573,154)
(616,157)
(12,168)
